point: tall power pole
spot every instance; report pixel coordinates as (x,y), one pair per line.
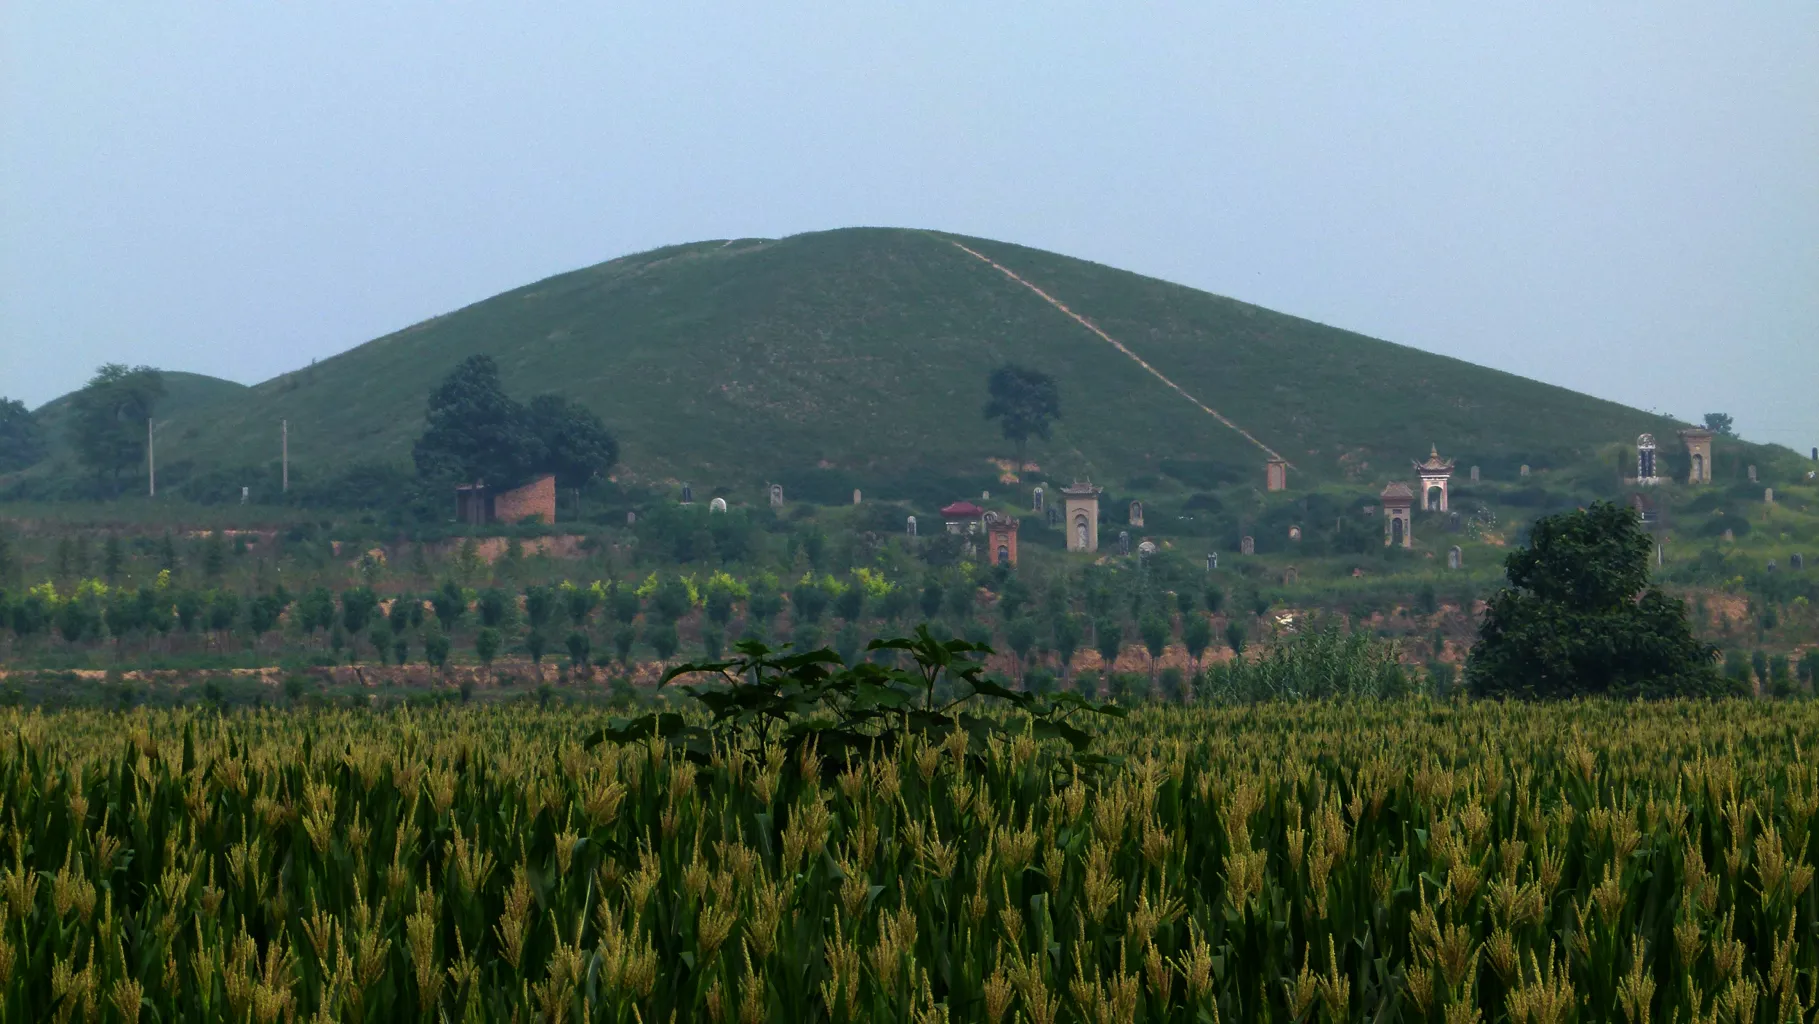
(284,444)
(151,463)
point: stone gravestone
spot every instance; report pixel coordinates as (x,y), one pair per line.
(1212,561)
(1729,536)
(1474,474)
(910,527)
(1054,516)
(631,518)
(1247,546)
(1294,533)
(1452,523)
(717,505)
(1797,562)
(1036,500)
(1136,517)
(1771,565)
(985,495)
(688,494)
(1768,496)
(855,495)
(244,492)
(1147,548)
(776,495)
(1752,474)
(1291,577)
(1524,470)
(1455,558)
(1124,542)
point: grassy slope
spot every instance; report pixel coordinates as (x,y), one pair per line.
(867,349)
(187,398)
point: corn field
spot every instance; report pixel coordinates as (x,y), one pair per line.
(1397,861)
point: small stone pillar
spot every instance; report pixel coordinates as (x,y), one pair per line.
(910,527)
(1248,545)
(1136,513)
(855,495)
(776,495)
(1455,558)
(1275,475)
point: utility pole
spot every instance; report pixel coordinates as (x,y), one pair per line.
(284,444)
(151,463)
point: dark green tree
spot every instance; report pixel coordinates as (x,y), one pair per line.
(22,441)
(1020,635)
(1196,635)
(663,639)
(475,430)
(108,418)
(435,647)
(623,639)
(578,646)
(1235,636)
(487,643)
(1108,638)
(535,643)
(1579,617)
(1067,634)
(1024,402)
(357,608)
(1155,631)
(1718,423)
(572,442)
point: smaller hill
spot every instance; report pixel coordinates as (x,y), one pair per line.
(187,396)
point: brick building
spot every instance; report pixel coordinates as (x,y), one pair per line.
(476,504)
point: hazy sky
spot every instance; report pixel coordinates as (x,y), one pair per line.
(1619,198)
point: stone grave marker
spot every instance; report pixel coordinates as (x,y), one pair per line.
(1124,542)
(1136,516)
(631,518)
(1455,558)
(1291,577)
(1752,474)
(1797,562)
(1247,546)
(717,505)
(910,527)
(776,495)
(688,494)
(1294,533)
(1036,500)
(1212,561)
(855,495)
(1524,470)
(1474,474)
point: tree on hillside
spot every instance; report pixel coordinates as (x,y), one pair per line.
(475,431)
(1579,617)
(1024,402)
(108,421)
(21,437)
(576,445)
(1718,423)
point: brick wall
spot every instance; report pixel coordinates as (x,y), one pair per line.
(536,499)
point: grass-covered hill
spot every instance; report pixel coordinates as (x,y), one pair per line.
(188,397)
(858,357)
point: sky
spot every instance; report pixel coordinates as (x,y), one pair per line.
(1619,198)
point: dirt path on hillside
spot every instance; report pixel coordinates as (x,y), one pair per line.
(1115,343)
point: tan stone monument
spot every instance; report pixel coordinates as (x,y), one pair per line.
(1435,473)
(1699,449)
(1398,526)
(1081,506)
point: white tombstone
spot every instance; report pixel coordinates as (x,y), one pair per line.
(1212,561)
(1474,474)
(1454,557)
(1768,496)
(855,495)
(244,491)
(1247,546)
(1294,533)
(1124,542)
(688,494)
(776,495)
(910,527)
(1147,548)
(631,518)
(1752,474)
(1036,500)
(717,505)
(1525,469)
